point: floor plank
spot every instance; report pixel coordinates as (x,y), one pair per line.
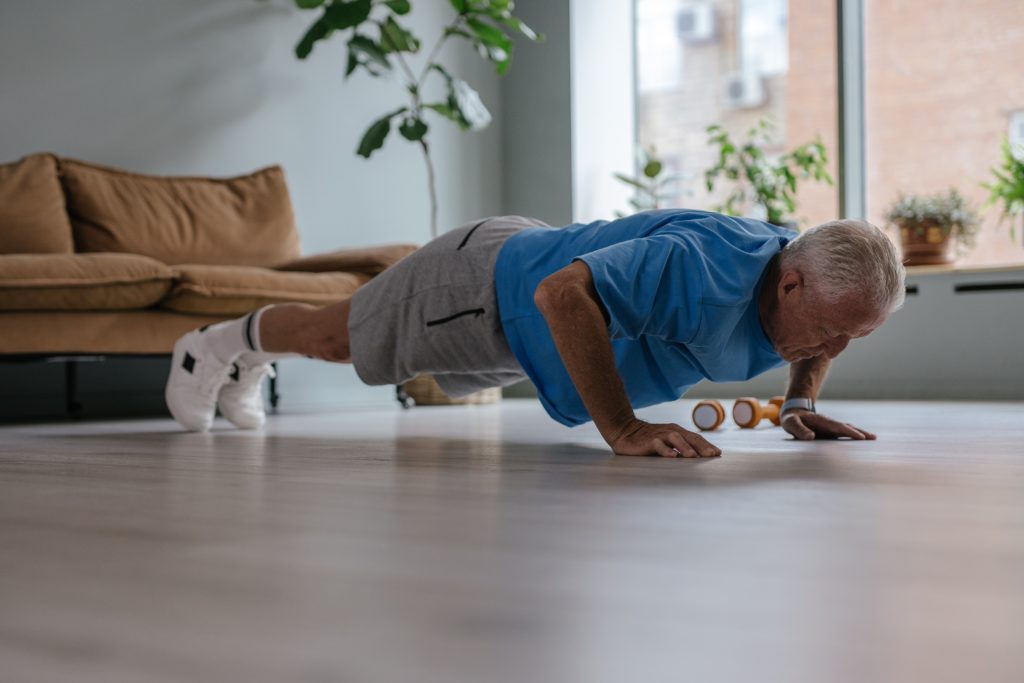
(488,543)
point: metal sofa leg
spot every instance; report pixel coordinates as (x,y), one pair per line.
(71,403)
(274,396)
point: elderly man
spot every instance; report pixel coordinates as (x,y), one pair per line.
(603,317)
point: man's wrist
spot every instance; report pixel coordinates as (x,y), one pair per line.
(797,404)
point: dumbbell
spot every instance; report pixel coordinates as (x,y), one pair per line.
(748,412)
(708,415)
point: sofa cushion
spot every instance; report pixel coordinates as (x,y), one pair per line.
(236,221)
(81,282)
(236,290)
(32,215)
(367,260)
(143,331)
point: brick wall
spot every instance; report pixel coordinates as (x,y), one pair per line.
(942,77)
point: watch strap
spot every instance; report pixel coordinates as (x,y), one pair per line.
(797,403)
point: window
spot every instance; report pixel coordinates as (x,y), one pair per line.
(733,63)
(943,88)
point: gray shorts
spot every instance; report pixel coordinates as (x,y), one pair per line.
(436,312)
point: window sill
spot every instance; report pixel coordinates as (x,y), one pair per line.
(953,268)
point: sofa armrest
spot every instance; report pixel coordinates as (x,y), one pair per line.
(367,260)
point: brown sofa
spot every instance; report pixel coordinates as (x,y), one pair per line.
(98,261)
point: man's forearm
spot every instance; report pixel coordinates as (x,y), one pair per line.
(807,376)
(581,335)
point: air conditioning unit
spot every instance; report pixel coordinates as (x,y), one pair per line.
(745,90)
(695,23)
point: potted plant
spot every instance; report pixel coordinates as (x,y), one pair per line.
(380,45)
(651,187)
(759,180)
(930,225)
(1008,187)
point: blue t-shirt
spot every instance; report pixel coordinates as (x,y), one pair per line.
(680,288)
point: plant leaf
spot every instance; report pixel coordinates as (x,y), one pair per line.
(447,111)
(373,138)
(399,6)
(518,25)
(367,52)
(413,129)
(394,38)
(309,4)
(318,31)
(467,101)
(652,168)
(630,181)
(461,6)
(346,14)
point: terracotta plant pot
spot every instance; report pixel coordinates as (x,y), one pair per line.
(426,392)
(925,244)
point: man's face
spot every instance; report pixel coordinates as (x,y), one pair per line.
(805,327)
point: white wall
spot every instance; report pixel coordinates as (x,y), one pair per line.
(537,118)
(213,87)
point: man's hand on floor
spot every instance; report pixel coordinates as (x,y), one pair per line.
(666,440)
(806,426)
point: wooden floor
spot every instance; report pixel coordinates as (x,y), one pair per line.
(486,544)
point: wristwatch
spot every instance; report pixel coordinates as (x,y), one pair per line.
(801,403)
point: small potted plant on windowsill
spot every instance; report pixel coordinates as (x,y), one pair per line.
(930,226)
(1007,188)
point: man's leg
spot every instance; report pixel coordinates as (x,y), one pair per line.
(320,333)
(224,365)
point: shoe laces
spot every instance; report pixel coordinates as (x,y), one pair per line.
(214,379)
(252,376)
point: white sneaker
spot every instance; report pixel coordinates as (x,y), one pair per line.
(241,398)
(194,382)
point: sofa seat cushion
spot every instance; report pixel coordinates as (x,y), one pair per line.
(366,260)
(236,290)
(145,331)
(242,221)
(32,215)
(81,282)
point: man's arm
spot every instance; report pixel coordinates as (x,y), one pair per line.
(569,303)
(805,380)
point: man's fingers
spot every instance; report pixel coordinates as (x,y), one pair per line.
(676,440)
(851,431)
(664,450)
(835,429)
(795,426)
(867,435)
(702,446)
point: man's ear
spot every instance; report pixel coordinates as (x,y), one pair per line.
(790,282)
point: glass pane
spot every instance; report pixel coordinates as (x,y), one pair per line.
(734,63)
(944,85)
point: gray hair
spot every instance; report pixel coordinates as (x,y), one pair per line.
(848,257)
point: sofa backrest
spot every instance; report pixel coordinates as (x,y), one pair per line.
(245,221)
(32,215)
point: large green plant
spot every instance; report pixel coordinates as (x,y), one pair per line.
(758,178)
(377,42)
(1008,187)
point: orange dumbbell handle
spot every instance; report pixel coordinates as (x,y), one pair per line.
(756,411)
